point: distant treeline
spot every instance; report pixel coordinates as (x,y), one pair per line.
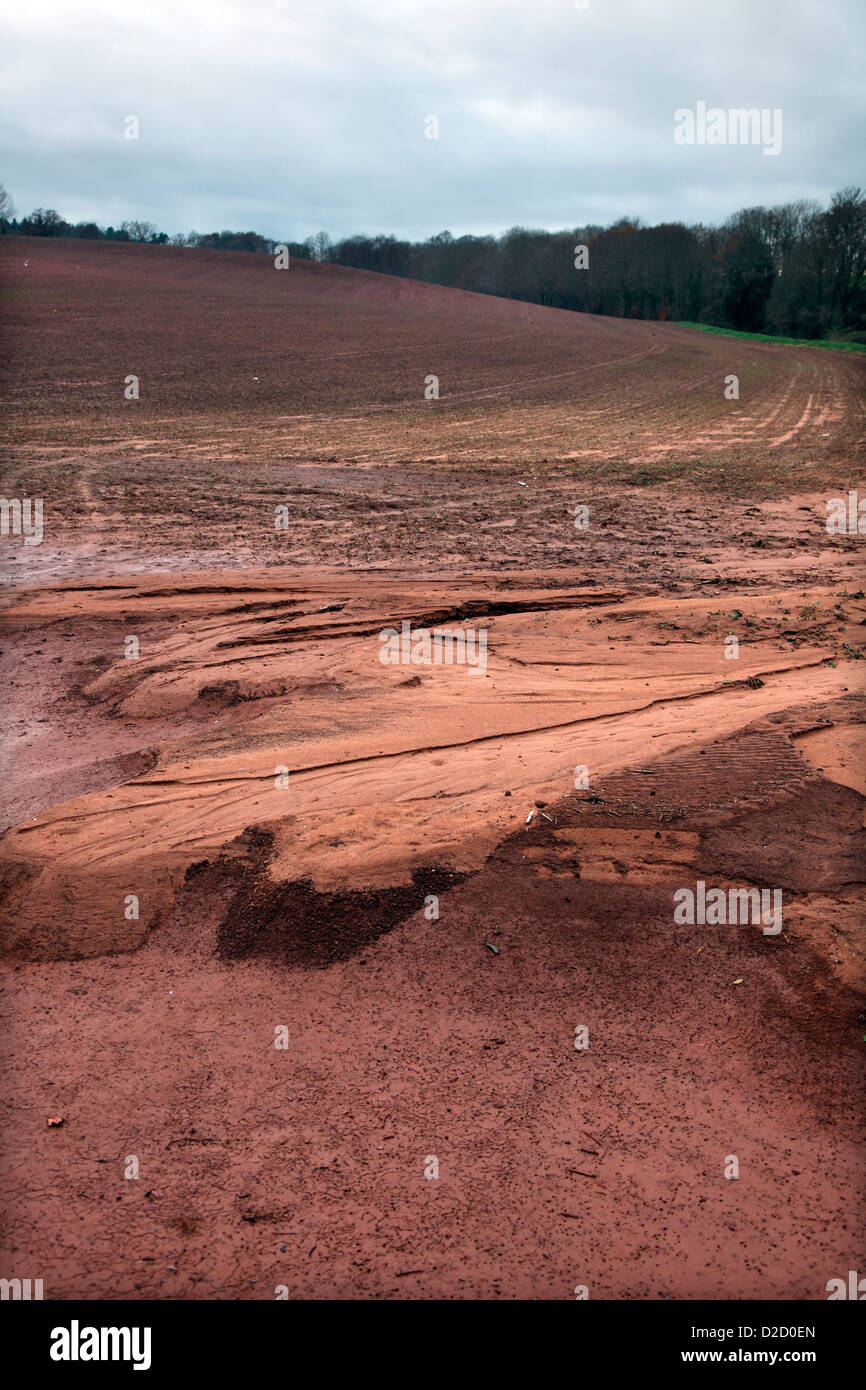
(798,270)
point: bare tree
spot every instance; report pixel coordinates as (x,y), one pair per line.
(319,246)
(139,231)
(7,207)
(845,223)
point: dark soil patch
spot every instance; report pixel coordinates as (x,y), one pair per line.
(303,928)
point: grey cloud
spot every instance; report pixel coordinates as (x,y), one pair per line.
(287,120)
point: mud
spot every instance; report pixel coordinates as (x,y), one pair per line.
(424,878)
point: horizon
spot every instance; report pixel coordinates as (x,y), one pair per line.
(19,215)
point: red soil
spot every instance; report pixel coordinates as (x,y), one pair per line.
(302,906)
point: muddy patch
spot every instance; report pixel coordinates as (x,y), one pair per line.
(295,924)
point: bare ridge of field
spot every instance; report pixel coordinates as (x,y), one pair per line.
(319,362)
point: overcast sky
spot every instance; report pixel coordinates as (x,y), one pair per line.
(286,118)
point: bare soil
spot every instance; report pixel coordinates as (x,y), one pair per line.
(290,814)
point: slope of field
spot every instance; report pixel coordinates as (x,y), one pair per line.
(226,817)
(315,362)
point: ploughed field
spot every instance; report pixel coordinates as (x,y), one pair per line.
(286,922)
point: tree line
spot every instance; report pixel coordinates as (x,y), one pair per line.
(798,269)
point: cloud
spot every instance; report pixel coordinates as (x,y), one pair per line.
(286,118)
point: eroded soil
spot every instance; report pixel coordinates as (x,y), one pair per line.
(423,878)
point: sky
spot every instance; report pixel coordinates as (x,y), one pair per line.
(288,118)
